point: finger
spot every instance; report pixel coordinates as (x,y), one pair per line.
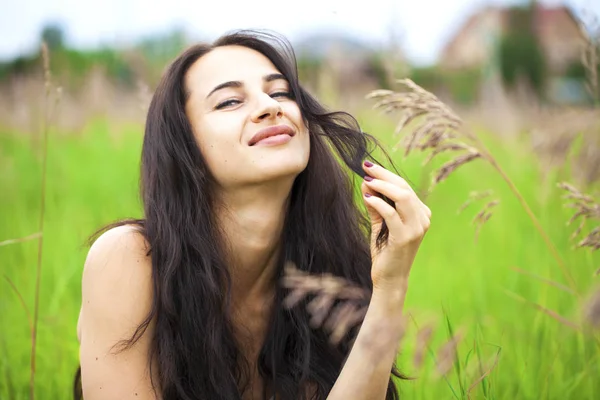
(373,214)
(407,203)
(387,212)
(377,171)
(427,211)
(424,220)
(364,188)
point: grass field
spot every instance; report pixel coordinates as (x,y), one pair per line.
(92,180)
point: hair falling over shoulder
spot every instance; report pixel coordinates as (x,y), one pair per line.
(196,354)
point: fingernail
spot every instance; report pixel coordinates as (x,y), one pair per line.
(368,164)
(368,178)
(367,194)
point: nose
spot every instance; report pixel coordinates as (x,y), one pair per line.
(267,107)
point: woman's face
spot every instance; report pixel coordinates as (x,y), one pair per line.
(235,93)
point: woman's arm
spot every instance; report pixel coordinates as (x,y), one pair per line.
(367,370)
(116,298)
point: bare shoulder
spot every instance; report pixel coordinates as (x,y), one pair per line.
(123,242)
(117,276)
(117,272)
(116,297)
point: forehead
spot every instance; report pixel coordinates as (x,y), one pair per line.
(224,64)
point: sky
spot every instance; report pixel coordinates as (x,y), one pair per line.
(421,27)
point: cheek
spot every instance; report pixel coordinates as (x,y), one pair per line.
(218,142)
(295,116)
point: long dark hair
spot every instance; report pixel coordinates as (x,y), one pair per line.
(325,231)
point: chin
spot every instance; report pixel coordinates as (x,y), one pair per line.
(290,169)
(279,167)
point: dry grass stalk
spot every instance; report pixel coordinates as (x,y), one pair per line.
(337,306)
(568,136)
(422,342)
(592,239)
(445,148)
(48,85)
(483,216)
(474,196)
(453,165)
(551,313)
(483,376)
(590,57)
(592,310)
(438,128)
(446,356)
(21,240)
(144,94)
(21,300)
(587,208)
(545,280)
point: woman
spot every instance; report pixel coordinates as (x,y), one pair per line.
(239,175)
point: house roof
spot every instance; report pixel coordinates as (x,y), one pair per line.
(544,17)
(465,28)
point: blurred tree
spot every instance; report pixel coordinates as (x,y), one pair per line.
(53,35)
(308,69)
(377,69)
(520,53)
(156,51)
(462,86)
(163,47)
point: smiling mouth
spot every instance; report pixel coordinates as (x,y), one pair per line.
(270,132)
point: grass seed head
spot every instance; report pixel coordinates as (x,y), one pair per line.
(337,306)
(453,165)
(446,356)
(422,341)
(474,196)
(484,216)
(592,310)
(586,209)
(432,126)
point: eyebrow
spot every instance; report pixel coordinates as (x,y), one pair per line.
(238,84)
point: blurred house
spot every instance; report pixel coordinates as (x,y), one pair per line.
(338,66)
(475,43)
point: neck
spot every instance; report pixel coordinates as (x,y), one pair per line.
(252,222)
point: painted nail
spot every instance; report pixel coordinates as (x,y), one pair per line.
(368,164)
(368,178)
(367,194)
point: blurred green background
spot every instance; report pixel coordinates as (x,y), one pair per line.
(517,79)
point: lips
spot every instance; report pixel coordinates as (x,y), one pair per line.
(271,131)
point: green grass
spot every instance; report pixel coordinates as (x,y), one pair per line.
(456,282)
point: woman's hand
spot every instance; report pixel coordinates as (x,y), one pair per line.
(407,222)
(366,372)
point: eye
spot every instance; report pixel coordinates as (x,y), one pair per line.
(227,103)
(282,94)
